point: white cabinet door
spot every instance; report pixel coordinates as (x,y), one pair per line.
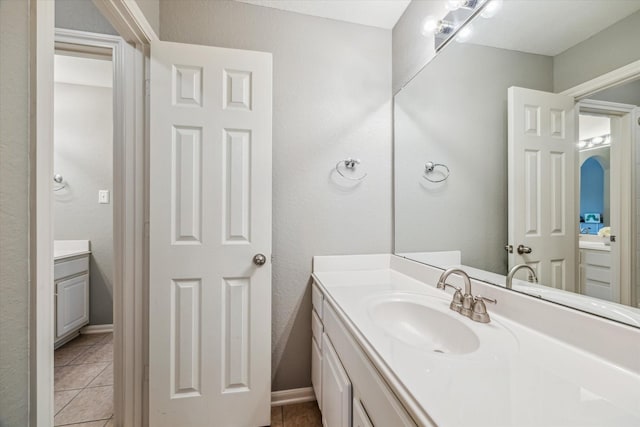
(72,298)
(336,389)
(210,213)
(360,418)
(316,371)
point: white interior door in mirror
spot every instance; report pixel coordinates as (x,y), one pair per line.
(542,183)
(210,213)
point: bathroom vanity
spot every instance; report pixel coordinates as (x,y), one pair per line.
(388,351)
(71,283)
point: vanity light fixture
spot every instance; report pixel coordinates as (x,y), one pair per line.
(491,8)
(595,142)
(457,4)
(433,26)
(464,34)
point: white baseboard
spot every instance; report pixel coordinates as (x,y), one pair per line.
(96,329)
(289,397)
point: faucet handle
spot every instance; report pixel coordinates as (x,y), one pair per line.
(479,311)
(485,299)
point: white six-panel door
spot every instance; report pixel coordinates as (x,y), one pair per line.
(210,213)
(542,181)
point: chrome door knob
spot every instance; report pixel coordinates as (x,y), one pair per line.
(259,260)
(522,249)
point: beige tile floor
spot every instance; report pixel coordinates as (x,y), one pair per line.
(299,415)
(83,378)
(84,388)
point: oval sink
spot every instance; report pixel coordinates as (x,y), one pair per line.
(423,326)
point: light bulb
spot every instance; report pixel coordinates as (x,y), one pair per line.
(598,140)
(454,4)
(581,144)
(492,7)
(464,34)
(430,25)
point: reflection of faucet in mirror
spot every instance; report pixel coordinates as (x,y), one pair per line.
(532,274)
(585,230)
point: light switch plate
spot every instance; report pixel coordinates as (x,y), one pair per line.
(103,196)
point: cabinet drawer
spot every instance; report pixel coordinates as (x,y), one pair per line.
(383,408)
(597,258)
(316,370)
(70,268)
(316,326)
(316,300)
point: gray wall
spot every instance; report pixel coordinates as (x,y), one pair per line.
(615,46)
(83,155)
(412,50)
(14,212)
(331,100)
(81,15)
(151,11)
(444,116)
(628,93)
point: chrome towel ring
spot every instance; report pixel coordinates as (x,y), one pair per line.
(430,167)
(351,165)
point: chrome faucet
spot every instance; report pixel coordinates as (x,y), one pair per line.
(467,304)
(532,274)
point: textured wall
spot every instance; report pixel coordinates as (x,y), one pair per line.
(443,116)
(14,213)
(332,89)
(81,15)
(83,155)
(412,50)
(615,46)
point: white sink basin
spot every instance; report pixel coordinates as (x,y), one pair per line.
(428,326)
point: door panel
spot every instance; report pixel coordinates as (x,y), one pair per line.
(210,213)
(542,180)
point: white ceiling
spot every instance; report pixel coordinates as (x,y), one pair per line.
(375,13)
(548,27)
(82,71)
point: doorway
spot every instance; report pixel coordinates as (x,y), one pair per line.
(83,237)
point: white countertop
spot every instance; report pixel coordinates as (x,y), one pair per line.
(517,377)
(70,248)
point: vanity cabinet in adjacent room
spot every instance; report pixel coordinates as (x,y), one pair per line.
(71,282)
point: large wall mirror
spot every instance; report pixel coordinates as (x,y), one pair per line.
(520,144)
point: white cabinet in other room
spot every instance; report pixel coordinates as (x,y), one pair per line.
(72,297)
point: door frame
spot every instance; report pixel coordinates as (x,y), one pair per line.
(582,91)
(627,150)
(130,206)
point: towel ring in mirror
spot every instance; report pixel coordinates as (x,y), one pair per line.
(351,165)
